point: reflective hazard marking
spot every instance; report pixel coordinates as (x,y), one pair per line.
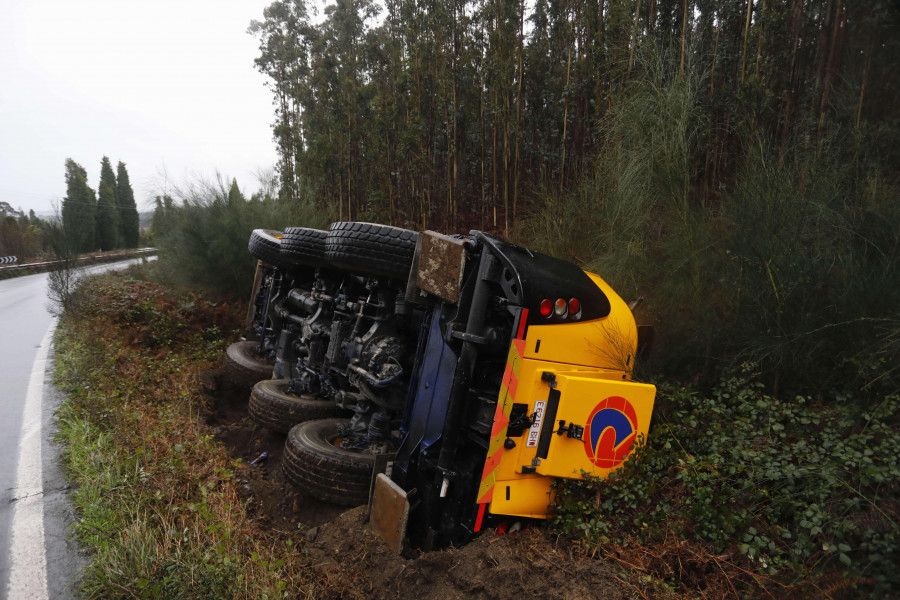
(535,432)
(501,420)
(501,417)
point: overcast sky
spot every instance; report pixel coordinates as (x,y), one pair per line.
(166,86)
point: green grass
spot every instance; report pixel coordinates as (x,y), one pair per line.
(156,496)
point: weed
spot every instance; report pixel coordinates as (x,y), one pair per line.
(787,492)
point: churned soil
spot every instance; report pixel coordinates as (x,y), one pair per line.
(521,564)
(352,562)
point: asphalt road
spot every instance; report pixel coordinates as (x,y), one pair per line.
(37,558)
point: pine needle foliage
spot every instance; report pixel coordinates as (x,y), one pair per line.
(108,217)
(205,227)
(129,219)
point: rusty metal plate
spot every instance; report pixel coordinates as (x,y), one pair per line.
(390,512)
(441,263)
(249,332)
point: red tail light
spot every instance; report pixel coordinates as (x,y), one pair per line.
(546,307)
(561,308)
(574,306)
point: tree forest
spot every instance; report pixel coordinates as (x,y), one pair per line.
(466,113)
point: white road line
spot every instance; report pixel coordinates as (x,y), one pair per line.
(28,560)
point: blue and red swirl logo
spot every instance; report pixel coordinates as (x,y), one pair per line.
(610,432)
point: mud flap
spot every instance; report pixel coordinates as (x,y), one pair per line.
(249,334)
(389,512)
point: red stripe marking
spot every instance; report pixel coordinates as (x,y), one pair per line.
(488,496)
(480,517)
(512,386)
(507,373)
(523,321)
(491,463)
(501,420)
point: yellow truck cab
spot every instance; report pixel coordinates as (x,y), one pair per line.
(523,377)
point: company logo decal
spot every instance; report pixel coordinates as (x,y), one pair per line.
(610,432)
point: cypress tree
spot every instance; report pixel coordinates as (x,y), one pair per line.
(163,212)
(79,210)
(130,221)
(234,194)
(107,208)
(159,215)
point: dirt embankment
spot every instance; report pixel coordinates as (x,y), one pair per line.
(354,563)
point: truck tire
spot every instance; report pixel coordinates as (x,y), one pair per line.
(265,245)
(321,469)
(273,407)
(243,366)
(371,249)
(304,246)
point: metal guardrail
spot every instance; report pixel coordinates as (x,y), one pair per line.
(47,264)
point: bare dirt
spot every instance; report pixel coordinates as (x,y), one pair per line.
(354,563)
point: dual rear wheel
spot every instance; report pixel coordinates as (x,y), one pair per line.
(317,458)
(318,462)
(365,248)
(272,405)
(244,365)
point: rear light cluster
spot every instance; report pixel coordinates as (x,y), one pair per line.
(561,308)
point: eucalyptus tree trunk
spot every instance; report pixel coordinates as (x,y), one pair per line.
(684,21)
(746,39)
(562,160)
(830,66)
(516,162)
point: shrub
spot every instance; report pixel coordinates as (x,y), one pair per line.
(206,228)
(794,491)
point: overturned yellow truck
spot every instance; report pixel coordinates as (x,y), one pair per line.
(462,374)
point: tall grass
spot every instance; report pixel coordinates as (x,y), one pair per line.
(793,264)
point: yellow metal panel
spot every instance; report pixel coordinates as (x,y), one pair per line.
(612,412)
(589,365)
(608,343)
(530,389)
(527,496)
(613,415)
